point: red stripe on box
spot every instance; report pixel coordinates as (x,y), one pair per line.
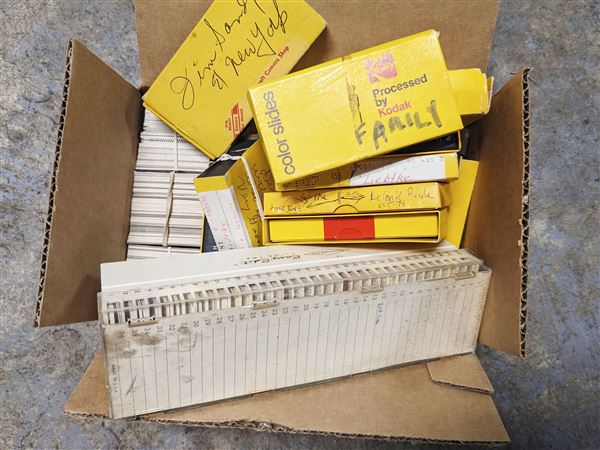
(349,228)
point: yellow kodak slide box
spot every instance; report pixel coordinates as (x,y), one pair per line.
(461,191)
(385,169)
(230,192)
(408,226)
(201,92)
(366,199)
(366,104)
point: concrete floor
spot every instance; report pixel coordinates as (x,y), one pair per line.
(548,400)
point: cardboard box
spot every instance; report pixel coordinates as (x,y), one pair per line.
(447,400)
(201,92)
(361,105)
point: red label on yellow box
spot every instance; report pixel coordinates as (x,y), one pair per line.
(348,228)
(412,226)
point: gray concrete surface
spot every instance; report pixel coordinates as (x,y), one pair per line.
(548,400)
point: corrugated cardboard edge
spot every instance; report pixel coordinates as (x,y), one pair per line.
(265,427)
(463,372)
(275,428)
(48,224)
(525,210)
(498,218)
(87,401)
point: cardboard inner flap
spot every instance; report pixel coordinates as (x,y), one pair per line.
(90,190)
(462,371)
(466,29)
(403,402)
(497,226)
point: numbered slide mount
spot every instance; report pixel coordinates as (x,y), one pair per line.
(291,316)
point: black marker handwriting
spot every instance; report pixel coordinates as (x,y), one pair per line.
(257,44)
(217,80)
(186,90)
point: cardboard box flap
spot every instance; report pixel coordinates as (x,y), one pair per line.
(466,28)
(400,403)
(90,396)
(498,224)
(464,371)
(88,208)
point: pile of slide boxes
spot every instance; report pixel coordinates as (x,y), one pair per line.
(166,214)
(363,178)
(382,176)
(166,217)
